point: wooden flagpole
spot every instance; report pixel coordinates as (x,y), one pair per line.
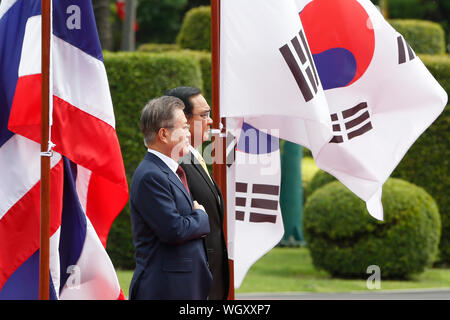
(44,257)
(219,164)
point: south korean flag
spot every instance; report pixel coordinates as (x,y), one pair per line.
(255,224)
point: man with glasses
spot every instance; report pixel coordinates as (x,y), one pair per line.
(167,225)
(203,187)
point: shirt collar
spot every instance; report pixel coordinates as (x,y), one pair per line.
(172,164)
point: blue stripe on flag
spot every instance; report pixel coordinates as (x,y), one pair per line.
(12,30)
(65,25)
(254,141)
(24,282)
(73,224)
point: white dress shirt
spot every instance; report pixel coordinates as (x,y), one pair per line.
(172,164)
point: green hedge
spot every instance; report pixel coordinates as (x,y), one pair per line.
(134,79)
(424,36)
(427,163)
(158,47)
(203,57)
(436,10)
(195,32)
(344,239)
(439,66)
(407,9)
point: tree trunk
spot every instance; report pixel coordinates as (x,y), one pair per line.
(128,36)
(384,6)
(101,12)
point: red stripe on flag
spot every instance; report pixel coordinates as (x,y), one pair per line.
(84,139)
(121,296)
(19,227)
(104,202)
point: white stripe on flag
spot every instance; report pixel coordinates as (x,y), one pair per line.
(21,157)
(82,81)
(55,261)
(5,5)
(96,274)
(82,185)
(76,82)
(30,61)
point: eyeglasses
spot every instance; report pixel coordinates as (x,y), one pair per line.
(204,115)
(186,127)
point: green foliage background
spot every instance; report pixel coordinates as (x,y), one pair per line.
(344,239)
(424,36)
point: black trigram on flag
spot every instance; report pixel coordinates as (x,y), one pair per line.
(305,73)
(351,123)
(405,52)
(251,198)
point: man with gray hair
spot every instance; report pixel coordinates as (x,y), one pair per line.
(168,227)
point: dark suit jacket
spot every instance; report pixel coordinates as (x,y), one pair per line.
(207,193)
(171,261)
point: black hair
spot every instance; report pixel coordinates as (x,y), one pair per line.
(184,94)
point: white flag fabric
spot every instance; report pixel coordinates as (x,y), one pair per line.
(254,74)
(331,75)
(373,88)
(379,94)
(253,189)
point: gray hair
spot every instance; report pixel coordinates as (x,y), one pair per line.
(158,113)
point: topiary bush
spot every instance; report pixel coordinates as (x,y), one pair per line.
(344,239)
(319,179)
(427,162)
(195,32)
(423,36)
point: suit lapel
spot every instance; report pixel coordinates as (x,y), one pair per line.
(204,175)
(170,174)
(174,178)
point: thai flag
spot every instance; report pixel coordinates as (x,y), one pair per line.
(88,182)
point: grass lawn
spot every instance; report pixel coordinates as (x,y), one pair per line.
(291,270)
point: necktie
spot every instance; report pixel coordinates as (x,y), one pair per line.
(203,164)
(182,175)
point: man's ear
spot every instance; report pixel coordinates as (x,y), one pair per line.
(163,135)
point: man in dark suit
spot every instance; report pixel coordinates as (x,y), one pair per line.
(168,227)
(203,187)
